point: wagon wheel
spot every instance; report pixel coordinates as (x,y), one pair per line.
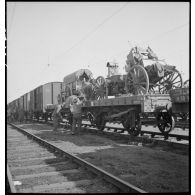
(137,81)
(135,131)
(186,83)
(91,117)
(100,121)
(173,80)
(165,122)
(100,87)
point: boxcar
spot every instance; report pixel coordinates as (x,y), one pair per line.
(42,96)
(31,103)
(21,102)
(27,105)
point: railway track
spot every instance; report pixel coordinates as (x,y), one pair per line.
(35,165)
(120,130)
(160,139)
(176,145)
(152,133)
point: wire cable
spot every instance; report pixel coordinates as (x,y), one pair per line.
(157,36)
(95,29)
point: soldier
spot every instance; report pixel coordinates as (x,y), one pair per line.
(75,108)
(56,116)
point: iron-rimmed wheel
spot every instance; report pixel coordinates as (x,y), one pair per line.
(100,87)
(165,122)
(171,80)
(100,81)
(100,121)
(135,131)
(137,81)
(186,83)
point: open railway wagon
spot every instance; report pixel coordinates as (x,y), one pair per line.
(146,73)
(180,105)
(130,111)
(43,99)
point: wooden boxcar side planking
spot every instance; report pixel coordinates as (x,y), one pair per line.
(31,104)
(47,95)
(57,87)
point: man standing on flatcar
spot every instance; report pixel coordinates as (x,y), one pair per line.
(75,108)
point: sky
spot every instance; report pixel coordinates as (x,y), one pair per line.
(48,40)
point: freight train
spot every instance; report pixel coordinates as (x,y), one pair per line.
(144,94)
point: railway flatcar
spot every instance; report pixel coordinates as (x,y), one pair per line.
(129,110)
(180,104)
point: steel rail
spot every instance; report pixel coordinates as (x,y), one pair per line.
(184,147)
(122,185)
(175,145)
(152,133)
(139,139)
(10,181)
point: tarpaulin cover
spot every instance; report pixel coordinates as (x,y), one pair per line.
(75,75)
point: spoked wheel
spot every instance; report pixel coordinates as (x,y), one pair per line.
(171,80)
(137,81)
(165,122)
(186,83)
(126,122)
(100,81)
(100,121)
(91,117)
(100,88)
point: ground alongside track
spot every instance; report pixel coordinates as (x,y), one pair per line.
(152,169)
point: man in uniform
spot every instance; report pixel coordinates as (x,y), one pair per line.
(56,116)
(75,108)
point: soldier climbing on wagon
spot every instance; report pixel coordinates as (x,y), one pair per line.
(75,108)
